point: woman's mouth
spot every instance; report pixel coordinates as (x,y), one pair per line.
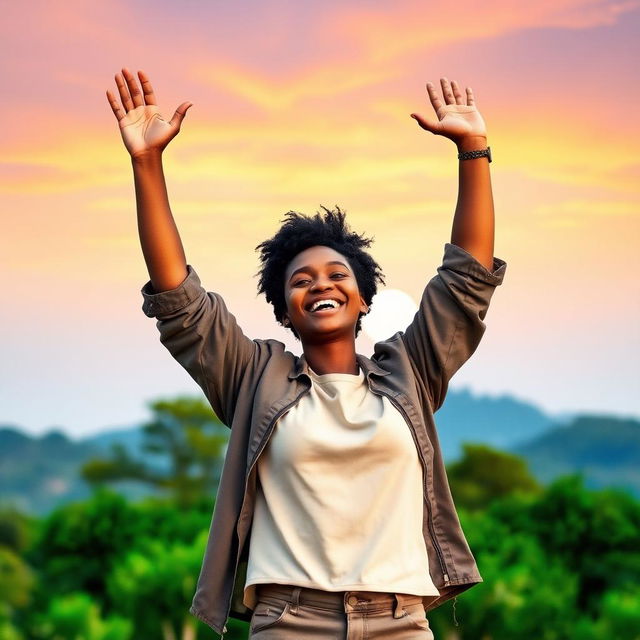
(325,307)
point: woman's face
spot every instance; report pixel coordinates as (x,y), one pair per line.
(315,275)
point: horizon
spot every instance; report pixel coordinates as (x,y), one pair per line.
(559,418)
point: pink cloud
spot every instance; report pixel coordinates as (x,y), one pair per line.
(401,28)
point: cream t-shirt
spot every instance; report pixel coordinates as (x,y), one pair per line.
(339,500)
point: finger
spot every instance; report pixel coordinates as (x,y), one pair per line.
(449,98)
(134,90)
(457,93)
(178,116)
(147,89)
(433,96)
(115,106)
(429,125)
(470,99)
(124,93)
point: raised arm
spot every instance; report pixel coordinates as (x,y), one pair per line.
(145,135)
(195,325)
(449,324)
(459,120)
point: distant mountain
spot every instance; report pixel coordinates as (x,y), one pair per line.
(36,473)
(604,448)
(39,473)
(130,437)
(500,422)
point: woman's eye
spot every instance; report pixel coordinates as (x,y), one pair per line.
(333,275)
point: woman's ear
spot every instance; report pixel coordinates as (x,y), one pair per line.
(364,307)
(285,321)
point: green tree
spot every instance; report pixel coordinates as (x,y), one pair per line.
(76,616)
(596,533)
(526,592)
(15,529)
(8,631)
(187,435)
(154,585)
(619,618)
(16,583)
(590,542)
(78,544)
(484,474)
(159,519)
(621,613)
(16,580)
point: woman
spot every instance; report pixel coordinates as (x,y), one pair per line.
(333,518)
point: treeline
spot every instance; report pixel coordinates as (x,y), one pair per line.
(559,562)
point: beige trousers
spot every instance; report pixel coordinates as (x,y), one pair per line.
(285,612)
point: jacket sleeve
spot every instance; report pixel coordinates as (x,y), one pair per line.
(204,337)
(448,325)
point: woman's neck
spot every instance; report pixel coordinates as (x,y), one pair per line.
(332,357)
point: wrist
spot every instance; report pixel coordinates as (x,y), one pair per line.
(150,156)
(471,143)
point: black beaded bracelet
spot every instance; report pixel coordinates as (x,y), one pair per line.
(478,153)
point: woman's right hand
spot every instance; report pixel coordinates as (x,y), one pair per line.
(142,127)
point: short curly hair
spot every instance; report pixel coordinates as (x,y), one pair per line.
(299,232)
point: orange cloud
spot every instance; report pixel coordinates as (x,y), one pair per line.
(320,81)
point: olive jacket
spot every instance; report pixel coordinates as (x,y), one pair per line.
(251,383)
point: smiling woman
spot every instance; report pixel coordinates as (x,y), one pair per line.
(313,261)
(334,517)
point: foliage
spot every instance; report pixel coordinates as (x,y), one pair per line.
(191,442)
(8,631)
(581,552)
(79,543)
(558,563)
(15,529)
(16,580)
(484,474)
(596,533)
(160,519)
(525,594)
(76,615)
(154,585)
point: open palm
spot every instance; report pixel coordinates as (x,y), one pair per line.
(457,116)
(142,127)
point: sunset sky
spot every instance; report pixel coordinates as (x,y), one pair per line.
(302,104)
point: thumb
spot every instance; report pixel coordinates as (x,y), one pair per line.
(179,114)
(429,125)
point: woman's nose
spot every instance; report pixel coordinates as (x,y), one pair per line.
(321,284)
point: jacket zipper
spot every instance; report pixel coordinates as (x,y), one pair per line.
(424,481)
(263,444)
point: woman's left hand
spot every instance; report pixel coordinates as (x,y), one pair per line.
(458,117)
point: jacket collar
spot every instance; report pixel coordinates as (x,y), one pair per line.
(368,366)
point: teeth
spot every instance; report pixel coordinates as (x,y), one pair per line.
(317,303)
